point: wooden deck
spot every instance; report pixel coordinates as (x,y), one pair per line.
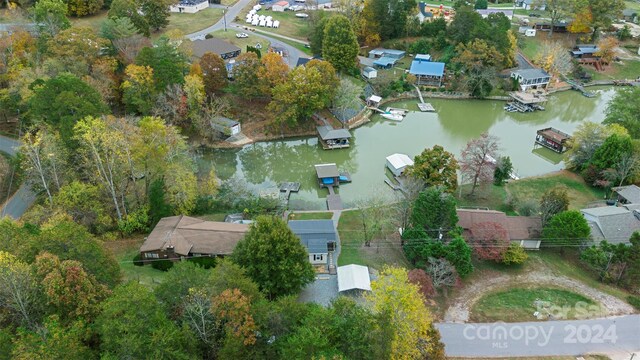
(334,202)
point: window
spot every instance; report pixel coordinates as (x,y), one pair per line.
(317,257)
(151,255)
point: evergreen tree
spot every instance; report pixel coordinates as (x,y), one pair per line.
(340,45)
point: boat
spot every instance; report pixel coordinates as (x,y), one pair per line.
(392,116)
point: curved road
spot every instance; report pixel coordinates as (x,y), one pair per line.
(613,335)
(18,204)
(231,13)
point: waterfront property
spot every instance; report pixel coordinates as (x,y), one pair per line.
(629,194)
(374,101)
(398,163)
(189,6)
(328,175)
(318,237)
(178,237)
(553,139)
(531,78)
(615,224)
(427,72)
(525,101)
(584,51)
(331,138)
(217,46)
(226,126)
(280,6)
(522,230)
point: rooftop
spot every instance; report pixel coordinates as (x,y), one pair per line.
(399,161)
(555,135)
(214,45)
(327,132)
(302,61)
(327,171)
(314,234)
(495,11)
(612,223)
(385,61)
(518,227)
(426,57)
(190,235)
(353,277)
(428,68)
(528,74)
(630,192)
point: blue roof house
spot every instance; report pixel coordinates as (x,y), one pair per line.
(427,72)
(385,62)
(316,236)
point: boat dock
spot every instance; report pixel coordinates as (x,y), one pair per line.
(525,102)
(334,202)
(423,106)
(391,185)
(576,86)
(286,188)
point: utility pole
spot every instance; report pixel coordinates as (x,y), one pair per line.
(224,17)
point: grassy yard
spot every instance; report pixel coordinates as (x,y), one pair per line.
(531,47)
(290,25)
(93,21)
(629,69)
(518,304)
(124,251)
(380,253)
(634,5)
(230,36)
(310,216)
(489,195)
(190,23)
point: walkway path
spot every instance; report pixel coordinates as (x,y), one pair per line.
(18,204)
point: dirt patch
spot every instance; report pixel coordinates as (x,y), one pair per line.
(458,312)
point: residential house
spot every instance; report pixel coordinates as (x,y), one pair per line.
(629,194)
(614,224)
(522,230)
(423,12)
(559,27)
(353,278)
(217,46)
(302,61)
(178,237)
(531,78)
(530,5)
(584,51)
(280,6)
(189,6)
(318,237)
(630,15)
(486,12)
(398,163)
(226,126)
(427,72)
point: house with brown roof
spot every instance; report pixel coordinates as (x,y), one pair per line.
(225,49)
(523,230)
(178,237)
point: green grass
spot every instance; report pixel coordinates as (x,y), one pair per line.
(190,23)
(230,36)
(310,216)
(518,304)
(634,5)
(290,25)
(629,69)
(228,2)
(145,275)
(296,45)
(488,195)
(531,47)
(93,21)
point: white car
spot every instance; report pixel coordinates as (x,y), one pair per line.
(242,35)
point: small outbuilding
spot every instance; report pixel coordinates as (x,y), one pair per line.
(629,194)
(369,73)
(280,6)
(226,126)
(328,174)
(398,163)
(385,62)
(331,138)
(353,277)
(374,100)
(189,6)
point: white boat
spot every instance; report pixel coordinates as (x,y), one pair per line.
(302,15)
(392,116)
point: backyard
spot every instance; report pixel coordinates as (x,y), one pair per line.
(242,43)
(125,251)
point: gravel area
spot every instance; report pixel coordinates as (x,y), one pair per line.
(322,291)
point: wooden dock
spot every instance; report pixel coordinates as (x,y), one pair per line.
(334,202)
(394,187)
(426,107)
(287,188)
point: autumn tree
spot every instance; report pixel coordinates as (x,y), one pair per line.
(83,8)
(476,160)
(53,340)
(272,73)
(436,167)
(77,49)
(423,280)
(234,310)
(479,61)
(168,64)
(347,99)
(554,58)
(603,13)
(45,160)
(245,74)
(624,110)
(553,201)
(407,319)
(587,138)
(558,10)
(340,45)
(19,296)
(274,257)
(568,228)
(442,273)
(138,88)
(607,49)
(83,202)
(581,21)
(515,255)
(214,73)
(489,240)
(389,19)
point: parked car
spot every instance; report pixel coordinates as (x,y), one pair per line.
(534,15)
(242,35)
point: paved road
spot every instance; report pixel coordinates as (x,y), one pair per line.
(552,338)
(18,204)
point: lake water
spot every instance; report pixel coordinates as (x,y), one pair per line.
(266,164)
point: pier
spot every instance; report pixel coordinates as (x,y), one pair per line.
(578,87)
(286,188)
(525,102)
(423,106)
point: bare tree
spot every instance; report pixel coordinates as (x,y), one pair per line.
(478,160)
(129,47)
(346,98)
(405,198)
(442,273)
(44,159)
(628,166)
(553,202)
(172,105)
(198,316)
(19,293)
(374,215)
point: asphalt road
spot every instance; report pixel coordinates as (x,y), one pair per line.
(550,338)
(18,204)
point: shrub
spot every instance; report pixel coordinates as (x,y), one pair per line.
(205,262)
(137,221)
(528,208)
(137,260)
(162,265)
(208,36)
(634,300)
(515,255)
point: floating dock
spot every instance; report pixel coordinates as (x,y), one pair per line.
(426,107)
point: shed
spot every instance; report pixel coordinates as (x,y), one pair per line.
(226,126)
(280,6)
(353,277)
(398,163)
(427,72)
(328,174)
(425,57)
(423,12)
(369,73)
(189,6)
(385,62)
(331,138)
(374,100)
(316,236)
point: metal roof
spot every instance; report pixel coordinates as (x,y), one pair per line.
(327,170)
(326,132)
(532,73)
(423,67)
(425,57)
(314,234)
(630,192)
(399,161)
(214,45)
(385,61)
(369,69)
(351,277)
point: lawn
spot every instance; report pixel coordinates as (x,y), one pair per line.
(93,21)
(519,304)
(488,195)
(290,25)
(381,252)
(124,252)
(629,69)
(190,23)
(230,36)
(634,5)
(531,46)
(585,357)
(310,216)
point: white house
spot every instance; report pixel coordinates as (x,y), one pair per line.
(280,6)
(398,163)
(531,78)
(189,6)
(369,73)
(318,236)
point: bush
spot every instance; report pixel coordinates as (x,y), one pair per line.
(137,221)
(205,262)
(515,255)
(528,208)
(634,300)
(137,260)
(162,265)
(208,36)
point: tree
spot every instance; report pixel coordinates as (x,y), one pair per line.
(274,258)
(632,273)
(340,45)
(608,260)
(19,295)
(83,8)
(434,211)
(168,64)
(624,110)
(316,39)
(436,167)
(117,28)
(158,206)
(130,9)
(475,160)
(565,229)
(459,254)
(554,58)
(214,73)
(51,16)
(45,159)
(442,273)
(481,4)
(389,19)
(180,278)
(133,325)
(490,240)
(581,22)
(373,217)
(234,310)
(503,170)
(477,54)
(607,49)
(346,100)
(83,202)
(612,151)
(62,101)
(553,201)
(515,255)
(587,138)
(70,292)
(78,49)
(156,13)
(245,74)
(53,341)
(603,13)
(171,105)
(228,275)
(272,73)
(399,303)
(423,280)
(138,88)
(558,10)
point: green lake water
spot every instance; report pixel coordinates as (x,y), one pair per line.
(266,164)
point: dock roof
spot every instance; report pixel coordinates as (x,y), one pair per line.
(327,132)
(327,171)
(399,161)
(427,68)
(555,135)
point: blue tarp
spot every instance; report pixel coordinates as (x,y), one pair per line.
(327,181)
(343,178)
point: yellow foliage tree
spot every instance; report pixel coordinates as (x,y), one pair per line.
(606,49)
(581,22)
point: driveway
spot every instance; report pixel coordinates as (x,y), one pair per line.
(613,335)
(18,204)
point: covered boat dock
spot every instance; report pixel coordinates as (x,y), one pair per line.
(331,138)
(553,139)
